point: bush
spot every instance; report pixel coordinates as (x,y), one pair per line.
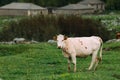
(39,28)
(78,26)
(42,28)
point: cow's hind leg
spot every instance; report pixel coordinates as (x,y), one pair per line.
(96,63)
(94,56)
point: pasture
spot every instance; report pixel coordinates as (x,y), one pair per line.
(44,61)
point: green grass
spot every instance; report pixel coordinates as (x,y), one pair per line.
(44,61)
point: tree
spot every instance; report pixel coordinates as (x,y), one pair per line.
(45,3)
(113,4)
(3,2)
(110,4)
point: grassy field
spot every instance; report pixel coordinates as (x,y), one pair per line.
(44,61)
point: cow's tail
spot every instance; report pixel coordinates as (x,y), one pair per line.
(100,52)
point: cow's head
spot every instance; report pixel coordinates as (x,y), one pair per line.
(60,38)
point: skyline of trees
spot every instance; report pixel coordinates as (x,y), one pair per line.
(45,3)
(110,4)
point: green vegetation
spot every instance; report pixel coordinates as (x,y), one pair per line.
(44,27)
(5,20)
(110,4)
(45,3)
(44,61)
(110,21)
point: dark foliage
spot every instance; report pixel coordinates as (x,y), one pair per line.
(77,26)
(110,4)
(45,3)
(42,28)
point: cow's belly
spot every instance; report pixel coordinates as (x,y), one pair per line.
(83,53)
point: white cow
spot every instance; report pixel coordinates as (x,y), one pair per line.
(80,47)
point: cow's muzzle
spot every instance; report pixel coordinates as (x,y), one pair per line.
(59,47)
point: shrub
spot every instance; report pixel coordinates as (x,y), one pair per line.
(42,28)
(78,26)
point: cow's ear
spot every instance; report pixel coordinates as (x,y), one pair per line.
(65,37)
(55,38)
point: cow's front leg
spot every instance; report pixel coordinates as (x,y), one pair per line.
(74,62)
(69,61)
